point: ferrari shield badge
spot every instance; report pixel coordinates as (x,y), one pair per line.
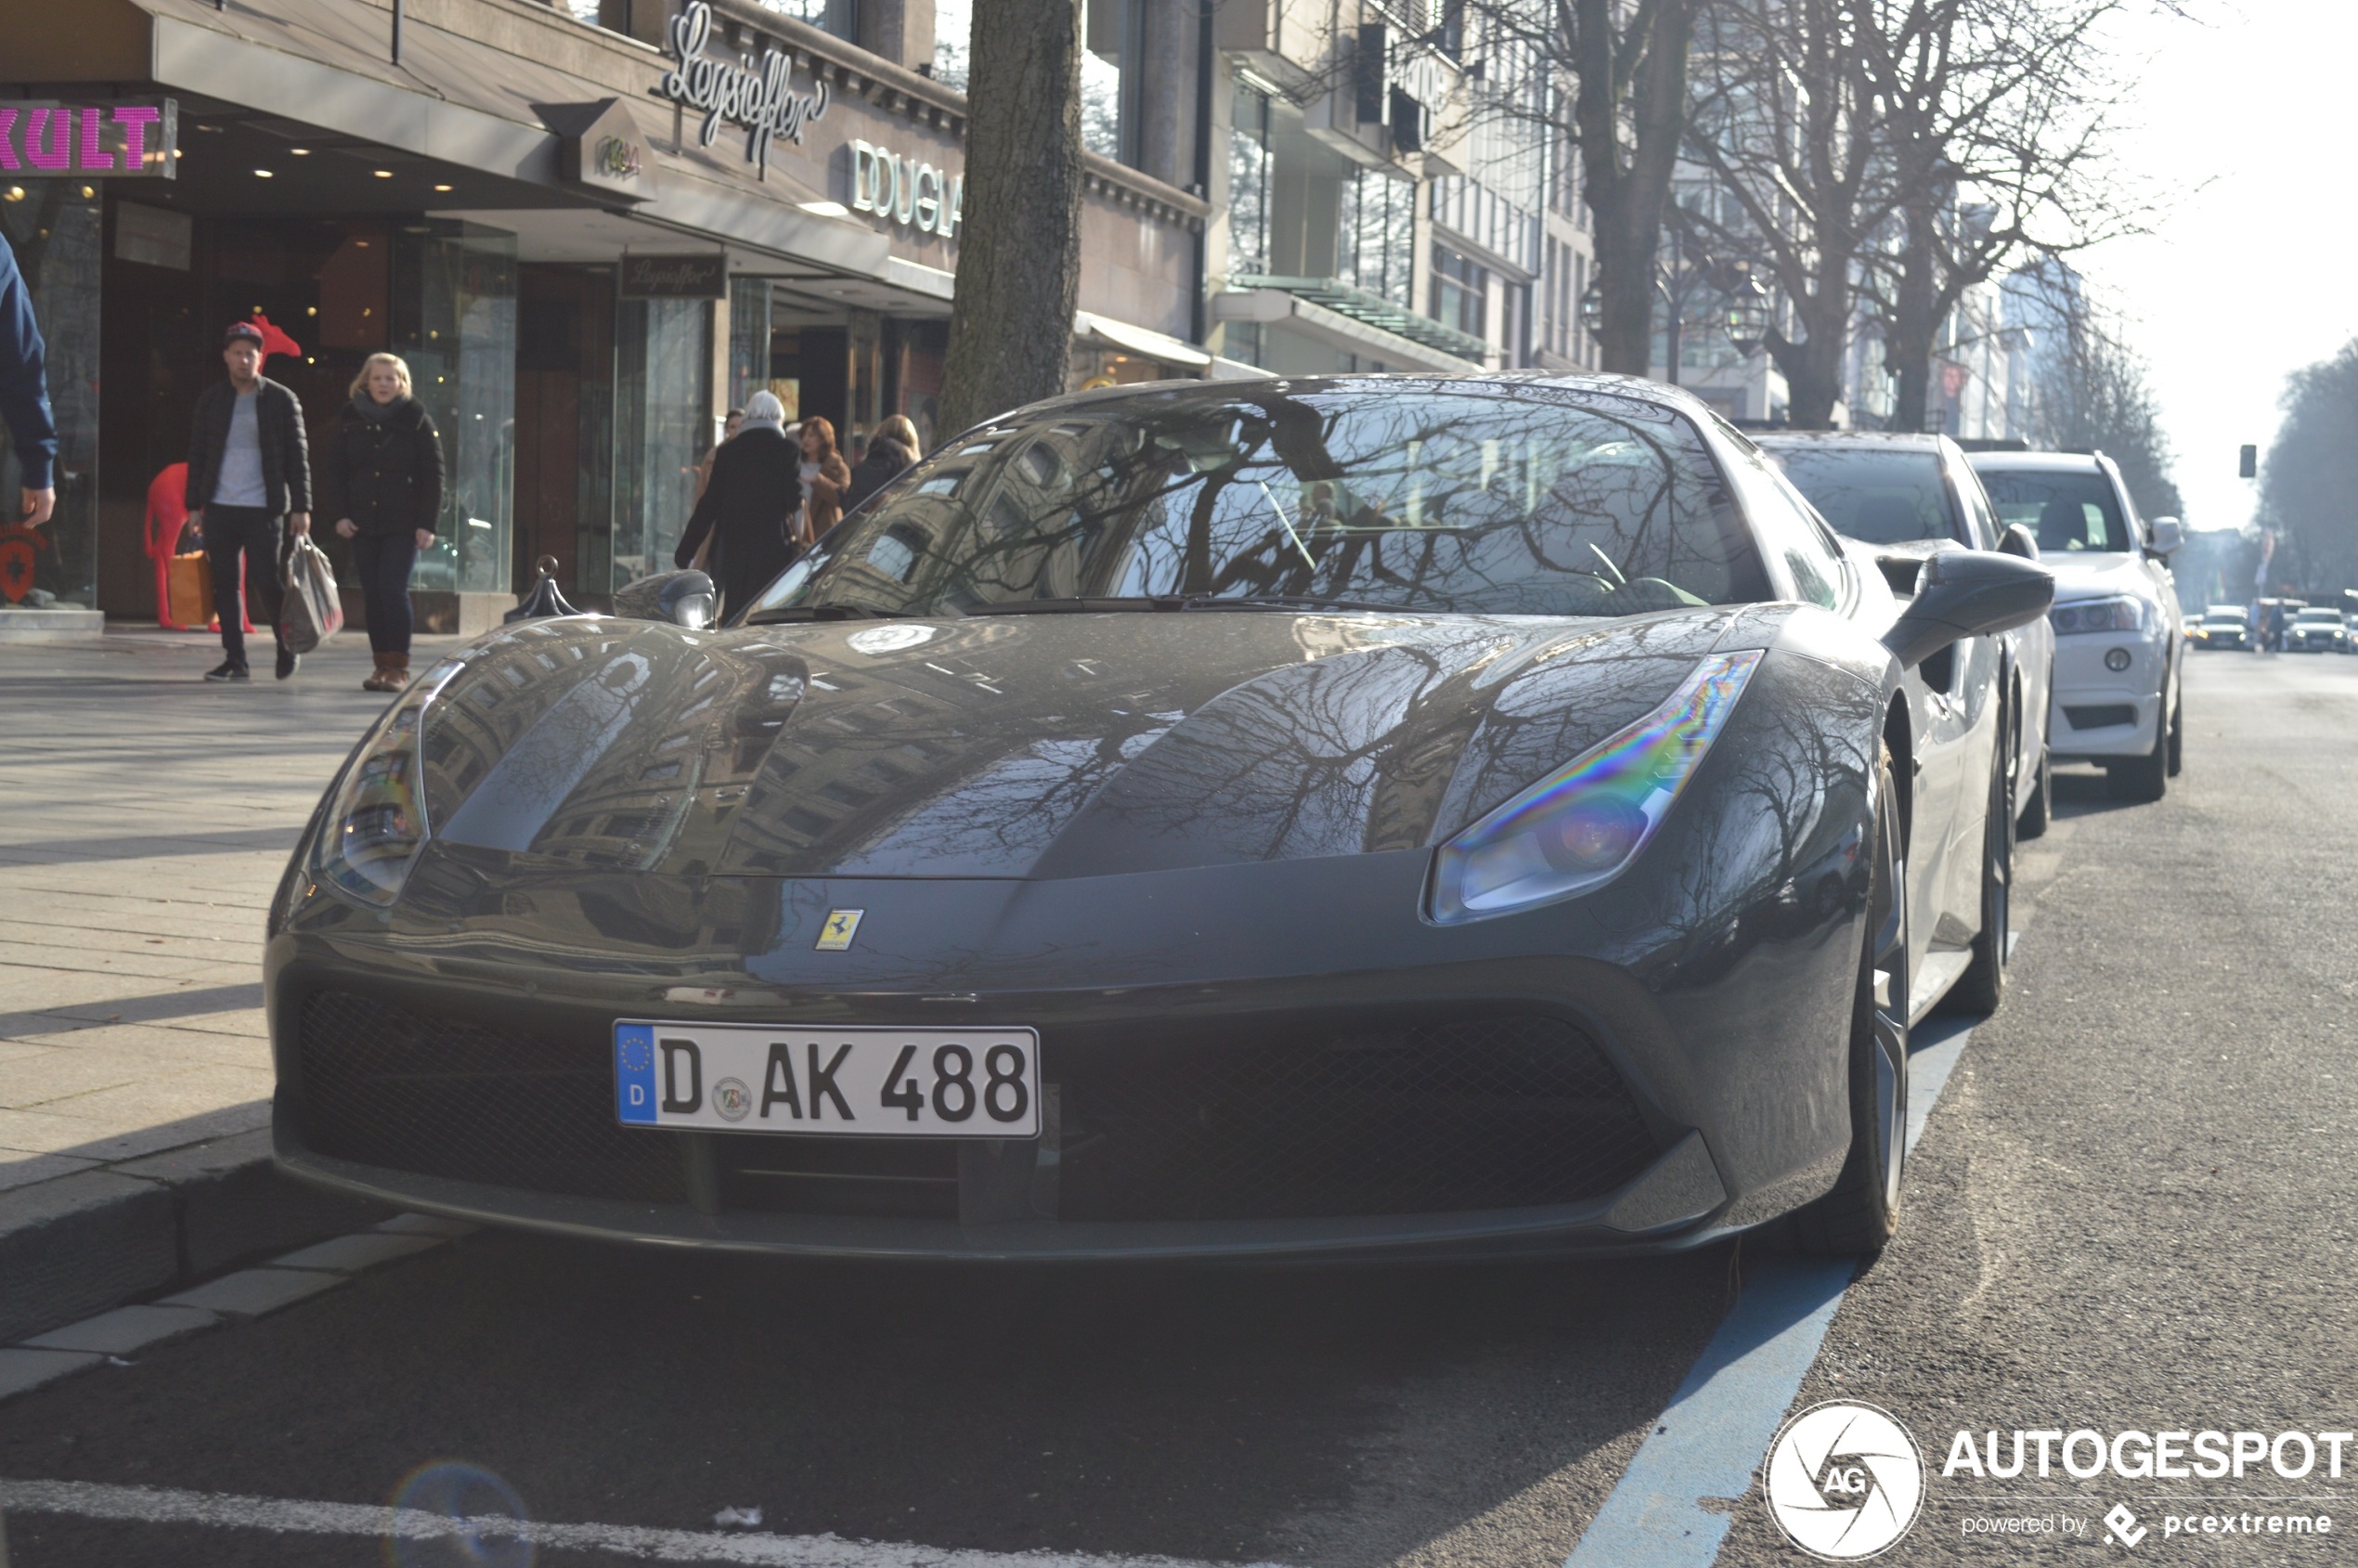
(841,927)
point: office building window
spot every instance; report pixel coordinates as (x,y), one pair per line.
(1460,291)
(1249,185)
(1375,240)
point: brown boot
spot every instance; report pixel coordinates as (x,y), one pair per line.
(393,674)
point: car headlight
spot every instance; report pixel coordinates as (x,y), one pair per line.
(377,824)
(1580,827)
(2123,614)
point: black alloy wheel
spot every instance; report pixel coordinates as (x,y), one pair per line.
(1983,985)
(2040,810)
(1862,1211)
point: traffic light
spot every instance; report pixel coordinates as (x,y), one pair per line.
(2248,463)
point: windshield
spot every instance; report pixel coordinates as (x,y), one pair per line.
(2069,510)
(2324,617)
(1882,497)
(2235,615)
(1511,499)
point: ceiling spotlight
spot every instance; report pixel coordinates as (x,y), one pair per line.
(384,174)
(262,173)
(442,188)
(299,151)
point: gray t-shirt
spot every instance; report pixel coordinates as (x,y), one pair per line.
(241,482)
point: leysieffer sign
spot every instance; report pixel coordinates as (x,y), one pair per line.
(741,92)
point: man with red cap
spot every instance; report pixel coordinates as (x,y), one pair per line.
(249,468)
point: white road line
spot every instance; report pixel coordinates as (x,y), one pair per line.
(156,1505)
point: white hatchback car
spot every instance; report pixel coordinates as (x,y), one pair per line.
(2119,631)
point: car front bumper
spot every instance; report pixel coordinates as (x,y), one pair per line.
(1722,1052)
(2100,712)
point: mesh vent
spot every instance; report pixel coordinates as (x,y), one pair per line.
(437,1097)
(1498,1113)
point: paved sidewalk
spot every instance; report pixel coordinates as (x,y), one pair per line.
(147,816)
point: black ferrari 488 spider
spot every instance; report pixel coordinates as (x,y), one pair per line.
(1325,819)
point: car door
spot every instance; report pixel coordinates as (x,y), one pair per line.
(2030,649)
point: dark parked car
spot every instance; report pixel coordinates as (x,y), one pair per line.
(1914,493)
(1318,817)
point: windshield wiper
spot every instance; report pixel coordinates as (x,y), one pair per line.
(785,613)
(1297,602)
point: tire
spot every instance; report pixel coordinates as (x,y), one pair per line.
(2142,778)
(2177,738)
(1862,1211)
(1983,985)
(2040,810)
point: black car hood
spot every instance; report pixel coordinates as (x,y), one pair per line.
(1045,745)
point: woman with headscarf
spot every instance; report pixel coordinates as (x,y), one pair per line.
(824,478)
(749,508)
(890,451)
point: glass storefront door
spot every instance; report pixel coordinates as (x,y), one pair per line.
(661,425)
(54,227)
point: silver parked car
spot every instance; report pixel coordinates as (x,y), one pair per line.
(2119,630)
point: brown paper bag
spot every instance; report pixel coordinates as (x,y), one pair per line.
(190,580)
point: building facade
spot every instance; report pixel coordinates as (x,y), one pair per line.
(589,228)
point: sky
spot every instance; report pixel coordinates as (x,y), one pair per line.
(2240,121)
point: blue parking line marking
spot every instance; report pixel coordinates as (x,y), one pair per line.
(1707,1445)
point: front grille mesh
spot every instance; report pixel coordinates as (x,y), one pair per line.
(1306,1123)
(1496,1113)
(440,1097)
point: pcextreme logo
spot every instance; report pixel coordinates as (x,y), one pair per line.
(1844,1481)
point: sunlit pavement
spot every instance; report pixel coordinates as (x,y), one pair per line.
(2130,1209)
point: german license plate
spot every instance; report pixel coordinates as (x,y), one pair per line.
(861,1082)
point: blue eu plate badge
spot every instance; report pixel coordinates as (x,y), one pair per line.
(634,1073)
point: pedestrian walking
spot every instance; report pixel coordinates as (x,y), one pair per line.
(248,473)
(24,396)
(889,457)
(824,479)
(747,511)
(381,479)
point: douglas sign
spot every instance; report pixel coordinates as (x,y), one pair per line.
(754,96)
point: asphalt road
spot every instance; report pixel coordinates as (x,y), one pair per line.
(2133,1208)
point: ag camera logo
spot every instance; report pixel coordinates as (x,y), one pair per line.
(1844,1481)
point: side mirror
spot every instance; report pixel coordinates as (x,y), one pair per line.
(2168,533)
(2019,541)
(1963,593)
(684,599)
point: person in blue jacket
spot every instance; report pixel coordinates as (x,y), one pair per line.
(24,395)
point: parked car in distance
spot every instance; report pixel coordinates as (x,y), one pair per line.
(2222,626)
(2117,619)
(1910,490)
(2318,629)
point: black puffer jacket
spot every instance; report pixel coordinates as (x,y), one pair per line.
(385,474)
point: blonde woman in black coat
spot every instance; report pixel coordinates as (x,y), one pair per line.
(381,479)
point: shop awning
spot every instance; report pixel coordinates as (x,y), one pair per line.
(1138,340)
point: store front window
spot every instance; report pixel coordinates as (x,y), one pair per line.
(454,302)
(662,423)
(54,227)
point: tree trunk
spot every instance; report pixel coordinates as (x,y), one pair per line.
(1019,243)
(1626,194)
(1907,353)
(1813,367)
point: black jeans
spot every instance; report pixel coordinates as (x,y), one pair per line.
(231,532)
(383,562)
